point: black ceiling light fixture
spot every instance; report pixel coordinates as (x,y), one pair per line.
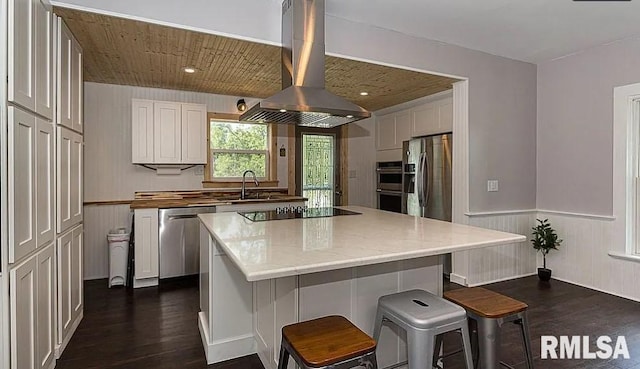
(241,105)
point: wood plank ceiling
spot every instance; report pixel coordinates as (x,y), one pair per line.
(128,52)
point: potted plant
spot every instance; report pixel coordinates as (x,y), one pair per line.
(544,240)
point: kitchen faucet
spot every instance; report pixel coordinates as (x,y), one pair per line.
(243,194)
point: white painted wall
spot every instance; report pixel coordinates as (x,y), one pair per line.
(502,99)
(362,163)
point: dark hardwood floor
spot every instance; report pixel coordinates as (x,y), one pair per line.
(157,327)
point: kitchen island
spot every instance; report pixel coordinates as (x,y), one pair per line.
(259,276)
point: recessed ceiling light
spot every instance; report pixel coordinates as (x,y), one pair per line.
(189,70)
(364,93)
(349,116)
(283,110)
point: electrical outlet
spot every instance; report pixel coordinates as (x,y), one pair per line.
(492,185)
(199,171)
(353,174)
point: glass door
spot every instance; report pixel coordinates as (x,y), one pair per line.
(318,166)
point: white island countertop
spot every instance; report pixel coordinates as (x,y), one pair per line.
(282,248)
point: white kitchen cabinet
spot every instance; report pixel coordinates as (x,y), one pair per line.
(146,247)
(69,179)
(69,77)
(141,131)
(167,138)
(194,148)
(77,122)
(24,295)
(168,132)
(45,307)
(63,75)
(45,218)
(392,129)
(29,56)
(22,184)
(432,118)
(69,279)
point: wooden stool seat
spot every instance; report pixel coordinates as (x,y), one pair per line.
(485,303)
(328,340)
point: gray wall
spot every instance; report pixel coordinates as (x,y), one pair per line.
(502,99)
(575,126)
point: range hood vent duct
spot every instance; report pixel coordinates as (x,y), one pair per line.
(303,99)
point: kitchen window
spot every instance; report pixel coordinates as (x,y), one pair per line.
(238,146)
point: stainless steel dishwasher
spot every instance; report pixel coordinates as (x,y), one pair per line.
(180,240)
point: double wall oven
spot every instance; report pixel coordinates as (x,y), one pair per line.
(389,185)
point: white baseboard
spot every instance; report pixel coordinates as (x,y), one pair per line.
(502,279)
(217,351)
(65,342)
(597,289)
(455,278)
(146,282)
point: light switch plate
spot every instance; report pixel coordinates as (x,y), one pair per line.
(492,185)
(199,170)
(353,174)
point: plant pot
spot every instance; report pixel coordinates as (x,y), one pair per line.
(544,274)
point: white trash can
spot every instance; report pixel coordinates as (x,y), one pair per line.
(118,251)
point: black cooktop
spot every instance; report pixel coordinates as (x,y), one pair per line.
(294,213)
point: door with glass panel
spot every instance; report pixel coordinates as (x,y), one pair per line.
(318,166)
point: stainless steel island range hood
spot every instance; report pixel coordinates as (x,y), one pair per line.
(303,99)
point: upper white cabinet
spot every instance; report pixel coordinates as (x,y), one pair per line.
(69,179)
(194,147)
(69,76)
(432,118)
(392,129)
(45,180)
(30,56)
(168,132)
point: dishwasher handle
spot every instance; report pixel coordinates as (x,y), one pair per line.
(186,216)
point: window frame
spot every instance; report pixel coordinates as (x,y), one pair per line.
(271,171)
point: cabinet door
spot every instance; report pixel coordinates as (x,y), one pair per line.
(76,188)
(21,59)
(77,252)
(23,299)
(386,132)
(45,225)
(64,111)
(166,133)
(22,184)
(425,120)
(445,115)
(194,134)
(64,180)
(77,122)
(43,60)
(65,281)
(45,312)
(403,128)
(141,131)
(146,241)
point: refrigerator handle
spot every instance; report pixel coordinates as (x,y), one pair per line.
(419,183)
(426,179)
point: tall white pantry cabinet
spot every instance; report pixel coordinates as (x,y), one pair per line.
(44,185)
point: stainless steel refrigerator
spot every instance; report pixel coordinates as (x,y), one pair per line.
(426,179)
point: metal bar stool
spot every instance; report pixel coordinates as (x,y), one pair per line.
(491,310)
(329,342)
(424,317)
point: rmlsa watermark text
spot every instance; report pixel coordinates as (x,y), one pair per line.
(578,347)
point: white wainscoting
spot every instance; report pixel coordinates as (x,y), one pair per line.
(583,257)
(98,220)
(498,263)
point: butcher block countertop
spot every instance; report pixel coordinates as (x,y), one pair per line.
(180,199)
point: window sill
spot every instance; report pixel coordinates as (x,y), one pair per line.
(237,184)
(624,256)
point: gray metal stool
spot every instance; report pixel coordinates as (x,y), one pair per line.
(491,310)
(423,316)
